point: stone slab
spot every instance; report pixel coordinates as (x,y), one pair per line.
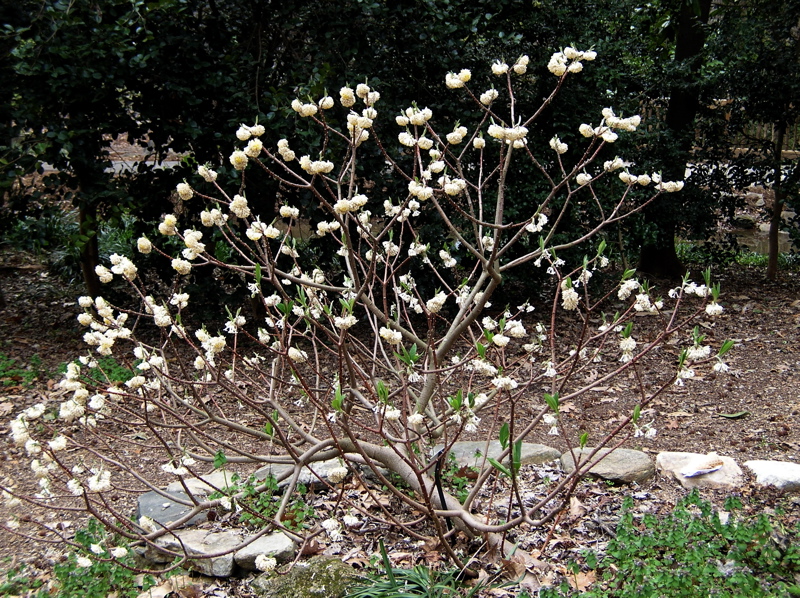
(728,476)
(199,542)
(163,510)
(623,466)
(781,474)
(470,454)
(277,545)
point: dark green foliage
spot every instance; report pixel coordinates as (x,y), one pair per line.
(692,553)
(14,373)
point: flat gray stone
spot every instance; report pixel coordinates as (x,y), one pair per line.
(728,476)
(308,475)
(277,545)
(319,577)
(199,542)
(205,484)
(781,474)
(163,510)
(623,466)
(471,453)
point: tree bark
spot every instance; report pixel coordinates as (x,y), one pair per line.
(658,257)
(90,253)
(777,204)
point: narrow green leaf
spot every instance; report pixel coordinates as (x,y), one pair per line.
(504,435)
(499,466)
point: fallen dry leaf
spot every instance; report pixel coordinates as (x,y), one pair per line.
(172,585)
(576,508)
(582,580)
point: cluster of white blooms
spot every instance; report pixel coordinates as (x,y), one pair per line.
(315,166)
(343,206)
(122,266)
(455,81)
(521,65)
(499,68)
(558,146)
(184,191)
(452,186)
(419,190)
(208,175)
(670,186)
(697,352)
(447,259)
(265,563)
(569,296)
(551,420)
(238,160)
(645,431)
(212,345)
(100,481)
(167,226)
(253,148)
(436,303)
(515,329)
(345,322)
(182,267)
(144,245)
(683,374)
(645,305)
(213,217)
(457,136)
(180,469)
(333,528)
(583,178)
(289,212)
(615,164)
(297,355)
(627,287)
(407,284)
(627,345)
(193,245)
(244,132)
(504,383)
(642,179)
(511,135)
(569,61)
(489,96)
(537,223)
(105,330)
(239,206)
(258,229)
(393,337)
(285,152)
(302,109)
(414,116)
(337,474)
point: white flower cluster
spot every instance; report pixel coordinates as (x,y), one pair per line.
(414,116)
(393,337)
(452,186)
(511,135)
(194,247)
(106,328)
(558,146)
(285,152)
(489,96)
(184,191)
(302,109)
(315,166)
(208,175)
(258,229)
(213,217)
(569,61)
(537,223)
(457,136)
(244,132)
(456,81)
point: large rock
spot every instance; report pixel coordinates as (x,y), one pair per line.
(277,545)
(205,484)
(728,476)
(319,577)
(198,542)
(308,475)
(164,510)
(619,465)
(470,454)
(781,474)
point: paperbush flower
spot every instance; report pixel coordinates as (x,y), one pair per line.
(347,97)
(714,309)
(181,266)
(297,355)
(569,299)
(238,160)
(583,178)
(393,337)
(504,383)
(184,191)
(144,245)
(208,175)
(265,563)
(558,146)
(499,68)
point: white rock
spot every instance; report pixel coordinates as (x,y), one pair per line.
(199,542)
(729,475)
(781,474)
(277,545)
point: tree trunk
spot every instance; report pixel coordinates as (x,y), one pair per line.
(90,253)
(777,204)
(658,257)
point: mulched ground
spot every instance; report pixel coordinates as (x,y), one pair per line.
(763,318)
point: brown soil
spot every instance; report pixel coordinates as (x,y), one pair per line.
(762,317)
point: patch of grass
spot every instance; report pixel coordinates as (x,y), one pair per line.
(106,370)
(786,261)
(12,373)
(419,582)
(691,552)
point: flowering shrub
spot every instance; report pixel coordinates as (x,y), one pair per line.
(362,364)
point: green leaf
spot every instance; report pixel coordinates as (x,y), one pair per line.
(584,439)
(516,455)
(382,391)
(726,346)
(737,415)
(481,349)
(504,435)
(219,459)
(499,466)
(552,401)
(258,275)
(637,412)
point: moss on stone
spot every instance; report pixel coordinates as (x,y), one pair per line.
(319,577)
